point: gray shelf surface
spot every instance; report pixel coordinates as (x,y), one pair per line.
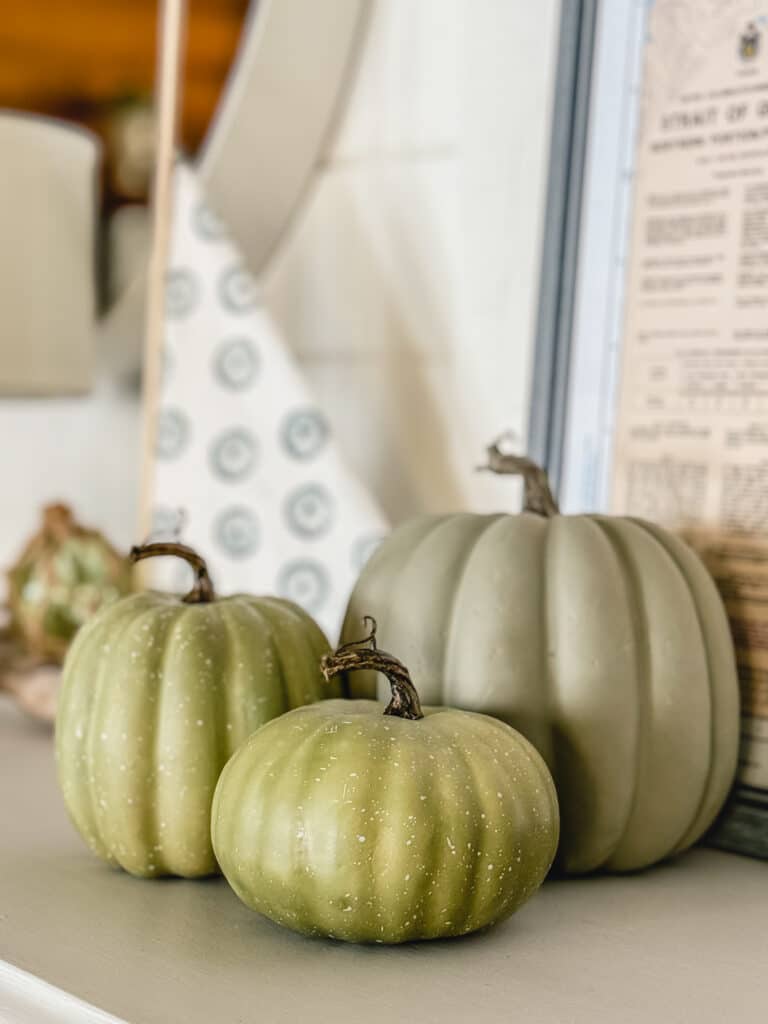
(686,941)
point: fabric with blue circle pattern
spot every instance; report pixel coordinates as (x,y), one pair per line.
(247,469)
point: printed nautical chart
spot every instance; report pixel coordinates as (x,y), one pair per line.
(691,441)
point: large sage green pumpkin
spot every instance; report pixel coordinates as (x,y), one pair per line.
(157,693)
(340,820)
(602,639)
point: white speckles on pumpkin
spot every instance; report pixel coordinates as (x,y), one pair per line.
(399,826)
(172,692)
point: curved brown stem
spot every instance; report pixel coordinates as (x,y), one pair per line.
(202,592)
(537,494)
(361,654)
(58,521)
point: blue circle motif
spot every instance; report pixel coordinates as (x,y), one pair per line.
(237,289)
(236,363)
(167,522)
(173,433)
(304,433)
(306,582)
(309,511)
(232,454)
(236,531)
(182,291)
(363,548)
(207,224)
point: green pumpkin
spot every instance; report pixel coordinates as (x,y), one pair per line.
(64,575)
(343,821)
(602,639)
(157,693)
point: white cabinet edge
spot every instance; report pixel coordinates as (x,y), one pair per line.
(25,999)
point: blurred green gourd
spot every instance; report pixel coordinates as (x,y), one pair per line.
(64,575)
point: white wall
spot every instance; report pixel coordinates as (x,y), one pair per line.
(84,451)
(407,287)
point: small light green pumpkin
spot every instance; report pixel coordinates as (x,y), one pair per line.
(157,693)
(337,820)
(601,638)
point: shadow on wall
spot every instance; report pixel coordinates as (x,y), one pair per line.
(356,294)
(406,260)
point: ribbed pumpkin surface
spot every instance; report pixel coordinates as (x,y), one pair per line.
(156,696)
(603,640)
(336,820)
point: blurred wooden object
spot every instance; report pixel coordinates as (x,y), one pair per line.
(168,100)
(78,59)
(33,683)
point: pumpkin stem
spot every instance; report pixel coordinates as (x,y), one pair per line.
(58,522)
(202,592)
(537,495)
(361,654)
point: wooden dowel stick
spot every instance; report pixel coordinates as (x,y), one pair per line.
(172,21)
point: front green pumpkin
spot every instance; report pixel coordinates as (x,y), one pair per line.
(602,639)
(340,821)
(157,693)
